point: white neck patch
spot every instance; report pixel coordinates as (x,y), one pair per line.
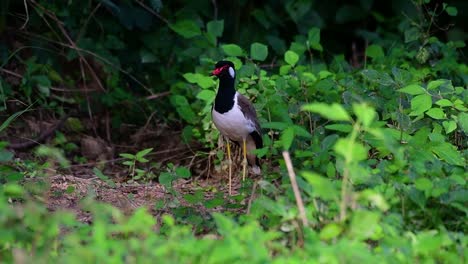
(232,72)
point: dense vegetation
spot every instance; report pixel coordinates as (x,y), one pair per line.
(368,99)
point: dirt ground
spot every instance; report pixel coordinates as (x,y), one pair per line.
(70,186)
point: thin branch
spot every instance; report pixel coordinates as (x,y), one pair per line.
(297,195)
(27,15)
(158,95)
(153,12)
(11,73)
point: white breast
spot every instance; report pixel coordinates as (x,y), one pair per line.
(233,124)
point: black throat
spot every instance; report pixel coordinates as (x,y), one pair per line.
(225,97)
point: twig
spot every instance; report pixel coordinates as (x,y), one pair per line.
(153,12)
(297,195)
(11,73)
(158,95)
(27,15)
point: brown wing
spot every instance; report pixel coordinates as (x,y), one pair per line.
(248,110)
(254,141)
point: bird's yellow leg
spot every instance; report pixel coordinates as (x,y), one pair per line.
(244,162)
(230,166)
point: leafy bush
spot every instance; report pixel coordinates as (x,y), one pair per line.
(378,138)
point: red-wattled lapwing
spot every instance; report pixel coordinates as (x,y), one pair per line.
(235,117)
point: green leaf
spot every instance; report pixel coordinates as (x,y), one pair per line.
(313,37)
(11,118)
(420,104)
(200,79)
(165,179)
(147,56)
(183,172)
(435,84)
(5,155)
(375,51)
(291,57)
(449,153)
(287,137)
(365,113)
(444,103)
(186,28)
(436,113)
(462,121)
(451,11)
(258,51)
(215,27)
(322,187)
(346,128)
(206,95)
(423,184)
(232,50)
(330,231)
(377,77)
(351,150)
(127,155)
(412,89)
(334,111)
(449,126)
(142,153)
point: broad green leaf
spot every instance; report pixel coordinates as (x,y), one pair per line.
(365,225)
(200,79)
(451,11)
(232,50)
(183,172)
(423,184)
(276,125)
(313,37)
(352,151)
(215,27)
(258,51)
(365,113)
(291,57)
(412,89)
(186,28)
(206,95)
(287,137)
(435,84)
(5,155)
(183,108)
(377,77)
(374,51)
(449,126)
(166,179)
(462,121)
(449,153)
(346,128)
(436,113)
(322,186)
(444,102)
(420,104)
(334,111)
(330,231)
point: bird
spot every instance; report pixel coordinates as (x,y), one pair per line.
(236,119)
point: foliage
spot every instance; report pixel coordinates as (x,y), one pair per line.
(379,142)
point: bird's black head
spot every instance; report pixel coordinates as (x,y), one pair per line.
(224,69)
